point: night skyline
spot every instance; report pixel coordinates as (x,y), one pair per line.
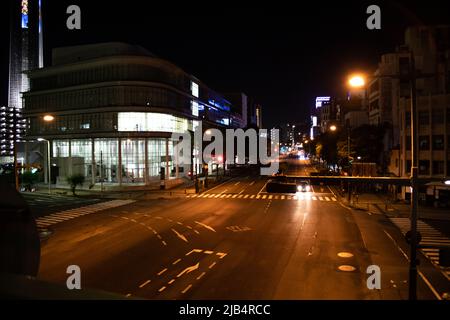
(278,59)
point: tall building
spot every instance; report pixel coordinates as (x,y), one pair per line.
(25,53)
(115,107)
(431,49)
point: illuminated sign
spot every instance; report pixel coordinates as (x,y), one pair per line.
(24,14)
(321,100)
(195,93)
(314,121)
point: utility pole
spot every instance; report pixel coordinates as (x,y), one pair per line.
(414,184)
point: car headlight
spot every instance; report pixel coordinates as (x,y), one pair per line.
(308,188)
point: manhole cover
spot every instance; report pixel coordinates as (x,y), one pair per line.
(347,268)
(345,254)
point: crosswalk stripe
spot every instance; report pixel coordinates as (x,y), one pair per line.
(314,198)
(246,196)
(258,196)
(328,199)
(333,198)
(294,198)
(321,198)
(270,197)
(283,197)
(252,196)
(240,196)
(234,196)
(264,196)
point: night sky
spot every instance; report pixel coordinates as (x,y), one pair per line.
(281,55)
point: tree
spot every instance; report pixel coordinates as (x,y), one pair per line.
(28,179)
(74,181)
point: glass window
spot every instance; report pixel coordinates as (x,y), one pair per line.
(82,156)
(424,167)
(438,167)
(60,148)
(424,143)
(106,158)
(438,116)
(438,142)
(141,121)
(424,117)
(133,160)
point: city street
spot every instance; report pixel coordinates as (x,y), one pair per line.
(236,241)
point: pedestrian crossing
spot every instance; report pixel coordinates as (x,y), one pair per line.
(430,237)
(46,221)
(262,196)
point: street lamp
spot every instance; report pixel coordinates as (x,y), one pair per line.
(48,162)
(48,118)
(333,128)
(358,82)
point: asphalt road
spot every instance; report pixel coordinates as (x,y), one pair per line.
(235,242)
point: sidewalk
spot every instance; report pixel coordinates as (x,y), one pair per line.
(383,204)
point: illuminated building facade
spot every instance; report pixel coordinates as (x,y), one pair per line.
(26,53)
(115,107)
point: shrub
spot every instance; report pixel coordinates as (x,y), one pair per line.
(74,181)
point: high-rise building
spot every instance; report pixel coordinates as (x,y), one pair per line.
(25,53)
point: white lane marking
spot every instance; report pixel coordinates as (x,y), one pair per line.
(186,289)
(205,226)
(429,285)
(200,276)
(179,235)
(237,183)
(162,271)
(145,283)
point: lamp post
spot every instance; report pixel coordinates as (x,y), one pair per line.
(48,163)
(359,81)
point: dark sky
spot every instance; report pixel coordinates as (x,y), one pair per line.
(281,54)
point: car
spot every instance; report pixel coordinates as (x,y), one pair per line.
(303,186)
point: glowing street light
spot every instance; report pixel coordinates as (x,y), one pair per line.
(356,81)
(333,128)
(48,118)
(447,182)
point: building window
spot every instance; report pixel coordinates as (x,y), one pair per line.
(408,166)
(438,142)
(407,119)
(438,116)
(408,143)
(424,143)
(438,167)
(424,117)
(140,121)
(424,167)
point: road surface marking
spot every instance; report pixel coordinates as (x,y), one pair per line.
(162,271)
(212,265)
(218,195)
(252,183)
(328,199)
(208,252)
(133,220)
(189,269)
(205,226)
(178,222)
(125,218)
(145,283)
(346,268)
(283,197)
(258,196)
(186,289)
(295,198)
(179,235)
(234,196)
(246,196)
(176,261)
(196,232)
(264,196)
(240,196)
(241,191)
(429,285)
(221,254)
(252,196)
(237,183)
(314,198)
(228,195)
(164,243)
(161,289)
(200,276)
(171,281)
(194,250)
(270,197)
(159,218)
(189,227)
(128,295)
(321,198)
